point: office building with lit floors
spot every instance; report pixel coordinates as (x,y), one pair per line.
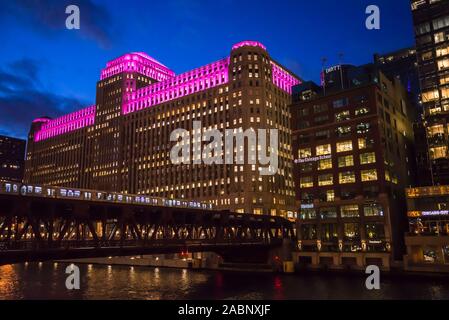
(431,22)
(122,142)
(428,238)
(352,148)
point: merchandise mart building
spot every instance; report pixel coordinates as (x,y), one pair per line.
(122,143)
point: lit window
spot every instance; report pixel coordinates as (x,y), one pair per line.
(323,150)
(363,128)
(436,129)
(349,211)
(347,177)
(342,116)
(306,182)
(344,146)
(430,95)
(360,111)
(325,164)
(305,153)
(346,161)
(351,231)
(366,158)
(373,210)
(325,179)
(369,175)
(328,213)
(330,195)
(438,152)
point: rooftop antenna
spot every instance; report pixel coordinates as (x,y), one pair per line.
(323,63)
(340,59)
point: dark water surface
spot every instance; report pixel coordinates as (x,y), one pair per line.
(47,281)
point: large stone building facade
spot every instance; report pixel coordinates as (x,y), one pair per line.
(122,143)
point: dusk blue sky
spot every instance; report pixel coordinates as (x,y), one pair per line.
(46,69)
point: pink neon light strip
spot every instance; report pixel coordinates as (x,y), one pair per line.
(197,80)
(137,62)
(67,123)
(248,43)
(282,79)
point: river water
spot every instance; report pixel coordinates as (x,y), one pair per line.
(47,281)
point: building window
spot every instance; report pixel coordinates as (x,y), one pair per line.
(345,161)
(369,175)
(329,232)
(340,103)
(307,214)
(438,152)
(347,177)
(308,232)
(342,116)
(325,164)
(319,108)
(430,95)
(363,128)
(443,64)
(351,231)
(349,211)
(344,146)
(325,179)
(328,213)
(330,195)
(306,182)
(306,167)
(365,143)
(361,111)
(375,231)
(343,131)
(305,153)
(373,210)
(366,158)
(323,150)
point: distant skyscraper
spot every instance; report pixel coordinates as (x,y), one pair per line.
(431,21)
(12,157)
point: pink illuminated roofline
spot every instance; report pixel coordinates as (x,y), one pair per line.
(248,43)
(137,62)
(282,78)
(67,123)
(39,120)
(203,78)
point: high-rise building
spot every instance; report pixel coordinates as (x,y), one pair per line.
(122,143)
(12,158)
(403,65)
(431,21)
(352,150)
(428,238)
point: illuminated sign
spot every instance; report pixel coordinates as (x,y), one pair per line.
(415,214)
(313,159)
(307,206)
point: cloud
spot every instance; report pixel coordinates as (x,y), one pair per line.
(22,100)
(48,17)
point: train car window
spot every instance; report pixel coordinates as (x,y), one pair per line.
(77,193)
(120,197)
(30,189)
(38,190)
(8,187)
(63,192)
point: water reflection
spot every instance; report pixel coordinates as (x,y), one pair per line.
(47,281)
